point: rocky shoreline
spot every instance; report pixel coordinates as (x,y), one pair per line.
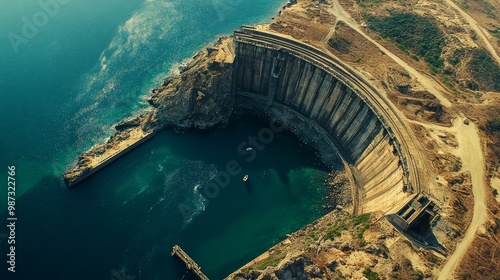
(338,191)
(337,246)
(200,97)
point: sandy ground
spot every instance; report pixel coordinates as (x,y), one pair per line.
(479,30)
(470,151)
(428,83)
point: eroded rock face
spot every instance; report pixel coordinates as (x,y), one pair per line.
(298,268)
(199,97)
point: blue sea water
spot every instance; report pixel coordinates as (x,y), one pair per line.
(69,70)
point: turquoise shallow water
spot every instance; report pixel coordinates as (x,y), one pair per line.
(87,67)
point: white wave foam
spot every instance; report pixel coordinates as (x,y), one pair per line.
(122,66)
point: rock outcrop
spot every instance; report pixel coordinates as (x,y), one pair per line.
(200,96)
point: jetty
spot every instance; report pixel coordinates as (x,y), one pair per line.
(190,264)
(102,155)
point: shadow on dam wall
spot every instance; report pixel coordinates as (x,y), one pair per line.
(272,72)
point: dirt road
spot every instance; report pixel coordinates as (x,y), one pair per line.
(470,151)
(428,83)
(478,29)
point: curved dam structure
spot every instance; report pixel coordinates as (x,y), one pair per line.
(280,76)
(371,138)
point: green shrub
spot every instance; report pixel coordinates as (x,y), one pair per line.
(494,124)
(496,33)
(332,233)
(362,243)
(313,235)
(270,261)
(370,275)
(484,69)
(363,218)
(362,230)
(340,44)
(368,3)
(421,35)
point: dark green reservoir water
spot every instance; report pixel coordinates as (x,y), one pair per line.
(127,217)
(86,68)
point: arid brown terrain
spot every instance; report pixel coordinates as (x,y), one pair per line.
(438,62)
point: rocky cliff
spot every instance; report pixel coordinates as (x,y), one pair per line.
(200,96)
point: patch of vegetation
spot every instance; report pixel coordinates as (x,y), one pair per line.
(313,235)
(490,9)
(418,275)
(456,57)
(336,229)
(494,124)
(447,82)
(339,43)
(370,274)
(496,33)
(368,3)
(421,35)
(362,230)
(411,272)
(484,69)
(363,218)
(270,261)
(362,243)
(332,233)
(465,5)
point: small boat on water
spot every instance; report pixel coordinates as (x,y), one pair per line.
(245,178)
(249,149)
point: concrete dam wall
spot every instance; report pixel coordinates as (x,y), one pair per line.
(281,71)
(267,72)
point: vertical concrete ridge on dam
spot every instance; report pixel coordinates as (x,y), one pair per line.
(371,136)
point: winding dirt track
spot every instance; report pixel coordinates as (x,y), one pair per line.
(428,83)
(478,29)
